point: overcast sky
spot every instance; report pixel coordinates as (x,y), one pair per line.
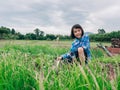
(58,16)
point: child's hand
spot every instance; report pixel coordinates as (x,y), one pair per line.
(59,58)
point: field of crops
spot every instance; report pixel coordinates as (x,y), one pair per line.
(28,65)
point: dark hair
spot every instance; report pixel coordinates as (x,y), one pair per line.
(76,26)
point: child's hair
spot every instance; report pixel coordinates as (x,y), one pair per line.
(76,26)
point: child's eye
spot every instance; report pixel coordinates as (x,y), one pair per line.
(75,31)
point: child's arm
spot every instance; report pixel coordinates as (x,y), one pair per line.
(69,56)
(86,42)
(64,56)
(75,46)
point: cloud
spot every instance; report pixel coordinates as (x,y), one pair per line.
(58,16)
(107,18)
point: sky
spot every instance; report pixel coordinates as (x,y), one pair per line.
(58,16)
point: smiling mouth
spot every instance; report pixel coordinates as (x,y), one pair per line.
(78,36)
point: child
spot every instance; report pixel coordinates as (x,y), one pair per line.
(80,47)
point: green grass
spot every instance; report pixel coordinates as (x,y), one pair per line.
(63,44)
(27,65)
(16,73)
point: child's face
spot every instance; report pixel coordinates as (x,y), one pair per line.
(77,32)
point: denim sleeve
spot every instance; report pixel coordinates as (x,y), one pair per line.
(69,55)
(86,42)
(64,56)
(75,46)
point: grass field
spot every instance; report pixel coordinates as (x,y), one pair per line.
(28,65)
(37,42)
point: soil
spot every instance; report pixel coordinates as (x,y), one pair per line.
(113,50)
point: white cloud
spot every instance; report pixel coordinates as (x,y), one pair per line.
(58,16)
(107,18)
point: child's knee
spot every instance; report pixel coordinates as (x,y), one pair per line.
(80,50)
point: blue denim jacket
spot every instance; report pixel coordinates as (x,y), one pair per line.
(82,42)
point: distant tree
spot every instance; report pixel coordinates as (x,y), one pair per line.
(4,30)
(20,36)
(37,32)
(105,37)
(30,36)
(42,33)
(101,31)
(63,37)
(13,31)
(50,37)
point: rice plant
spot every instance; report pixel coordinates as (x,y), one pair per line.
(29,67)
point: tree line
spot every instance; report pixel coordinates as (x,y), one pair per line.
(7,33)
(102,36)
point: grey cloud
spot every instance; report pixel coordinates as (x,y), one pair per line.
(60,14)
